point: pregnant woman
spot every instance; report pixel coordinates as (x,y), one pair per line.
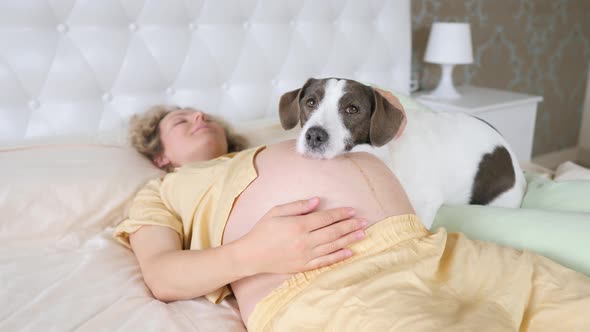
(354,259)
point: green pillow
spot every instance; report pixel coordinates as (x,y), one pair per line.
(542,193)
(560,236)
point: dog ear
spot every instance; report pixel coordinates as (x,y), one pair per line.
(289,109)
(386,120)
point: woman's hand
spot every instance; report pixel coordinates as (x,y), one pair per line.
(292,238)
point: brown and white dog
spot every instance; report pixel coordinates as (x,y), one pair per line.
(440,158)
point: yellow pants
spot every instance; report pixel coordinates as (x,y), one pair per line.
(403,278)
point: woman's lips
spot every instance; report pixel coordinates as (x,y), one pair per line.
(199,128)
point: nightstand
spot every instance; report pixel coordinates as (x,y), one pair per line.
(512,114)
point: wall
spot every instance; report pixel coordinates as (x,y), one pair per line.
(584,143)
(539,47)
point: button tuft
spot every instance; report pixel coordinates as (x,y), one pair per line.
(34,104)
(63,28)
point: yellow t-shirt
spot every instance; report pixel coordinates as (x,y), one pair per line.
(195,200)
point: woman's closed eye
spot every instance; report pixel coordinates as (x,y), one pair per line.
(207,118)
(179,122)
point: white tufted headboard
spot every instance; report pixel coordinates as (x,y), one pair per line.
(83,67)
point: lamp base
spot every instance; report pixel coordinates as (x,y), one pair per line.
(445,88)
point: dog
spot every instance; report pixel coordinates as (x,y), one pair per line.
(438,157)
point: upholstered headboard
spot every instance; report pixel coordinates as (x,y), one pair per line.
(83,67)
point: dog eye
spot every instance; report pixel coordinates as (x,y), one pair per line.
(351,109)
(310,102)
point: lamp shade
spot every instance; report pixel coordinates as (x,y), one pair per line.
(449,43)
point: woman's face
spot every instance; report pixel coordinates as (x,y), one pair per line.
(190,136)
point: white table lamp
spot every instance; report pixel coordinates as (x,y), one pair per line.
(449,44)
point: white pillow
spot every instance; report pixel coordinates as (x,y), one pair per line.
(571,171)
(539,170)
(53,189)
(265,131)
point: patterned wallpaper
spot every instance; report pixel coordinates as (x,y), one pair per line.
(538,47)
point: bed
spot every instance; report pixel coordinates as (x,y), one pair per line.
(71,75)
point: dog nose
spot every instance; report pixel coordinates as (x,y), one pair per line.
(316,136)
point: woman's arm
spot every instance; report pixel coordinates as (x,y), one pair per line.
(174,274)
(289,238)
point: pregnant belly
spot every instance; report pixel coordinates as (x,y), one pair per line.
(357,180)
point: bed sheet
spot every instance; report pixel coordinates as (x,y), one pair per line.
(87,282)
(60,268)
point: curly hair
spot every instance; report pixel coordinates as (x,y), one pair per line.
(144,133)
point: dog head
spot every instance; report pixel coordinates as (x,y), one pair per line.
(338,114)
